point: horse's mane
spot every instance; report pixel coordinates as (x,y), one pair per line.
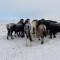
(51,21)
(34,20)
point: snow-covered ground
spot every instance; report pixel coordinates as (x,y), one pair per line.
(16,49)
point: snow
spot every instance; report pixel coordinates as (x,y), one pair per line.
(16,49)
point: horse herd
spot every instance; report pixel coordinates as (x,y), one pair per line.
(36,28)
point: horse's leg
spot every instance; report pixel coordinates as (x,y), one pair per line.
(42,39)
(23,34)
(26,39)
(30,38)
(35,32)
(39,38)
(19,33)
(54,35)
(11,35)
(50,34)
(7,37)
(28,42)
(8,33)
(15,34)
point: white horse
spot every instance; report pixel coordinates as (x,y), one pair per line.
(33,29)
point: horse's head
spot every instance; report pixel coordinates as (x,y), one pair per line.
(21,21)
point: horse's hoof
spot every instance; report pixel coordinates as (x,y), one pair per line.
(22,36)
(7,39)
(42,42)
(31,40)
(54,36)
(50,37)
(39,39)
(12,38)
(15,36)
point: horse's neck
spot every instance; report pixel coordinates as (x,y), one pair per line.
(34,25)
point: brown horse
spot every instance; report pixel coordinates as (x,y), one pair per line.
(41,32)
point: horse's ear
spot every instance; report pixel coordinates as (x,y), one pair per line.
(42,19)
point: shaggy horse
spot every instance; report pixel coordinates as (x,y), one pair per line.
(33,28)
(41,32)
(51,26)
(27,29)
(19,28)
(20,33)
(39,29)
(11,27)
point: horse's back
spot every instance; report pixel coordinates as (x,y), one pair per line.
(42,27)
(55,27)
(19,27)
(10,25)
(41,30)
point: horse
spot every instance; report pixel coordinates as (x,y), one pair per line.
(10,29)
(54,28)
(19,28)
(33,28)
(49,27)
(21,22)
(41,32)
(27,29)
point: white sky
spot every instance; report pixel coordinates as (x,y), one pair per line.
(16,9)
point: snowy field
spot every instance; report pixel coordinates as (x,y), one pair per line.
(16,49)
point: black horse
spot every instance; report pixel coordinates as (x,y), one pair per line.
(51,26)
(12,27)
(54,28)
(19,33)
(19,30)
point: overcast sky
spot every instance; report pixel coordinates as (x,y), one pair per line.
(16,9)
